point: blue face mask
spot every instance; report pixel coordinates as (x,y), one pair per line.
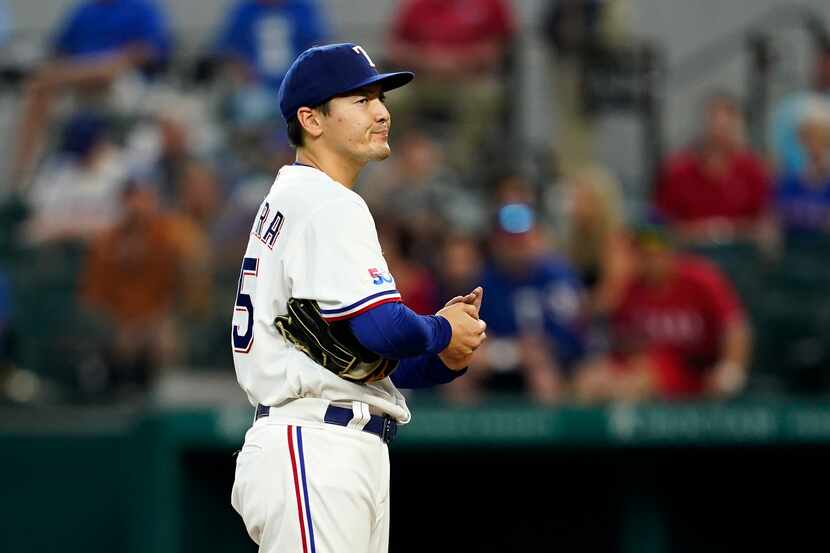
(516,218)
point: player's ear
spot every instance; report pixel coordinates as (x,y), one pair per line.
(311,121)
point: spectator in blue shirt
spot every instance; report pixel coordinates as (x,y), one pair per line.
(97,42)
(264,36)
(534,313)
(787,149)
(258,43)
(803,198)
(112,27)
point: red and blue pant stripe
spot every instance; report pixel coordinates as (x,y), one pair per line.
(301,487)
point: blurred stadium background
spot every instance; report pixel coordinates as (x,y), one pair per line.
(642,187)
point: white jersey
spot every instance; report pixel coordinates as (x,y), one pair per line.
(312,238)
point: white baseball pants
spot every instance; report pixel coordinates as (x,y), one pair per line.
(313,488)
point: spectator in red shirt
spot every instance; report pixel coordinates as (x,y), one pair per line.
(452,38)
(450,42)
(678,332)
(718,189)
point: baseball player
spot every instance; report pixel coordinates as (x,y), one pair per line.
(321,340)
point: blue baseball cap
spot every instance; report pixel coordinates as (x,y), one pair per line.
(323,72)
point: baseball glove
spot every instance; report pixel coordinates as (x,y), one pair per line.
(331,345)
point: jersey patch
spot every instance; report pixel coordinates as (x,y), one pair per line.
(379,277)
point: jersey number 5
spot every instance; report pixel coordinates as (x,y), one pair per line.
(242,342)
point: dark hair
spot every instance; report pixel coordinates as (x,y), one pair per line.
(295,131)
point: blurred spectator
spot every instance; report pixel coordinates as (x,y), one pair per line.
(423,193)
(99,42)
(76,194)
(595,239)
(512,188)
(199,194)
(533,309)
(246,172)
(139,276)
(258,42)
(174,157)
(413,279)
(575,30)
(679,331)
(460,265)
(260,39)
(5,23)
(717,190)
(447,43)
(234,222)
(787,148)
(253,154)
(175,136)
(452,39)
(803,198)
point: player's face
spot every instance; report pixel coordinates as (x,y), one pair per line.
(358,125)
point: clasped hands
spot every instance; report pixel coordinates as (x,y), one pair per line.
(467,329)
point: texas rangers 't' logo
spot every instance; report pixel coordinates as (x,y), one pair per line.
(362,52)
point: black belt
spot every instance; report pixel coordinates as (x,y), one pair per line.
(383,427)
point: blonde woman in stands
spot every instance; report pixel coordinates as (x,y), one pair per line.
(595,239)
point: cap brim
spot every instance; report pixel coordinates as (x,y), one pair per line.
(388,81)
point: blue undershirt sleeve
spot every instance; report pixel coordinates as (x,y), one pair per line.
(395,331)
(423,371)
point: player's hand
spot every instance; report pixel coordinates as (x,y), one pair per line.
(467,334)
(455,363)
(473,298)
